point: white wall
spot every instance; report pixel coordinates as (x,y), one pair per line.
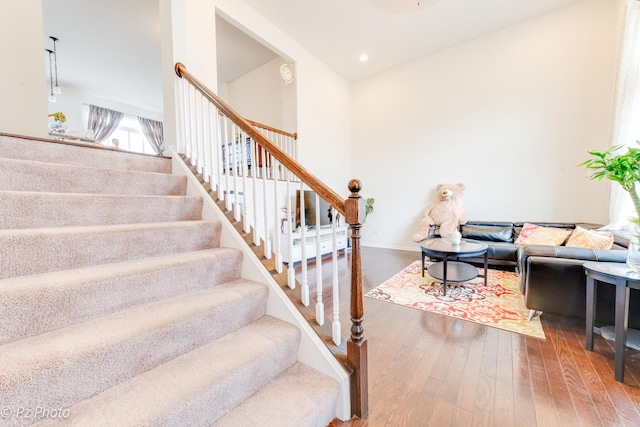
(322,100)
(23,109)
(258,95)
(188,35)
(510,115)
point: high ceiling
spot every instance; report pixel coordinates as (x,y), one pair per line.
(112,48)
(391,32)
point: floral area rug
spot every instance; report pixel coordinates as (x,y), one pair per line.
(499,304)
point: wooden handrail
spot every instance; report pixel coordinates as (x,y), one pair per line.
(293,135)
(307,177)
(272,129)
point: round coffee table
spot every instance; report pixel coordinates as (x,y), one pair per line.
(453,271)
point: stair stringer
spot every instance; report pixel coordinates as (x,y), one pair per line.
(312,351)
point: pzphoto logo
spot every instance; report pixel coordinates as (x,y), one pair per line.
(39,412)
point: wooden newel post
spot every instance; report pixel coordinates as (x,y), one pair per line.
(357,345)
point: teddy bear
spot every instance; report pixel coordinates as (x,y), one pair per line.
(448,212)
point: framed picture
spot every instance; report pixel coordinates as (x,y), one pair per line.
(228,152)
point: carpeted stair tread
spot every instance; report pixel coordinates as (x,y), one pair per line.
(59,368)
(26,175)
(298,397)
(28,209)
(199,387)
(43,302)
(119,304)
(40,250)
(80,155)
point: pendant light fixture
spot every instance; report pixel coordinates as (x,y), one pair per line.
(56,87)
(52,97)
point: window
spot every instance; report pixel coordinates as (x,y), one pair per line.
(131,137)
(626,126)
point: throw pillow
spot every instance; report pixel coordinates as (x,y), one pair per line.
(592,239)
(532,234)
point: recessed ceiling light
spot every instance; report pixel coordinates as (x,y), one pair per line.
(364,57)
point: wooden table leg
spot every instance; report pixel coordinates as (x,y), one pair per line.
(591,311)
(622,318)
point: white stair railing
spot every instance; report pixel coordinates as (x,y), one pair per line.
(255,187)
(219,149)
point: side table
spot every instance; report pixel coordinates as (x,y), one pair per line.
(624,279)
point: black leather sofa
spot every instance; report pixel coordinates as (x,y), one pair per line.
(552,278)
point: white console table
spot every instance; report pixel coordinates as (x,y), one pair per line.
(326,243)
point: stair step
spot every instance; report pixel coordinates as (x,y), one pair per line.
(39,303)
(59,368)
(80,155)
(27,175)
(25,209)
(298,397)
(41,250)
(120,307)
(198,387)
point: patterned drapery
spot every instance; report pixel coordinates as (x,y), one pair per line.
(154,132)
(103,121)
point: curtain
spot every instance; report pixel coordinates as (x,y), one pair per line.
(154,133)
(103,121)
(626,126)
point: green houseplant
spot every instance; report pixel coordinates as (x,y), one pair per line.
(622,167)
(368,206)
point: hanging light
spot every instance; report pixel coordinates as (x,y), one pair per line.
(56,87)
(52,97)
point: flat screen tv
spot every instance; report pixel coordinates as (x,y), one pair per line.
(310,209)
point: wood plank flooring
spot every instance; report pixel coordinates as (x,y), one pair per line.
(431,370)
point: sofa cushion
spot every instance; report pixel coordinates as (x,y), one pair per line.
(532,234)
(560,252)
(594,239)
(489,233)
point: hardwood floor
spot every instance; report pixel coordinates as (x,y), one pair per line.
(431,370)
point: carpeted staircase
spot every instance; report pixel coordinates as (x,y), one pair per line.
(120,308)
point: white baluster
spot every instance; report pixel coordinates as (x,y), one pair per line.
(218,149)
(191,152)
(245,171)
(227,163)
(182,120)
(213,152)
(303,247)
(234,167)
(254,177)
(319,303)
(265,221)
(206,133)
(198,130)
(277,235)
(291,272)
(336,328)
